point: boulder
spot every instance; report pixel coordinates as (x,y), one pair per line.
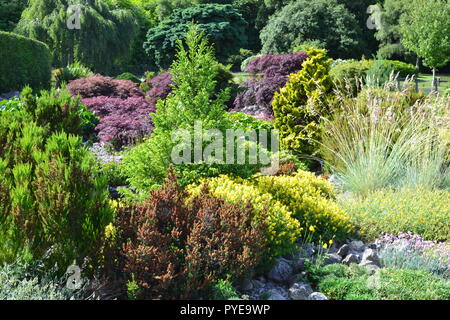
(299,265)
(332,258)
(281,272)
(351,258)
(356,245)
(343,251)
(370,257)
(276,295)
(300,291)
(317,296)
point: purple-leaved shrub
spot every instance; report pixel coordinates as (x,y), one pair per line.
(99,85)
(161,86)
(270,73)
(122,121)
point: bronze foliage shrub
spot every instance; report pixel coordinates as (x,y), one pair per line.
(176,248)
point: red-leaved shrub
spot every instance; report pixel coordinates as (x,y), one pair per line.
(99,85)
(161,86)
(176,248)
(122,121)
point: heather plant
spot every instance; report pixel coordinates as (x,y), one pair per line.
(387,139)
(122,121)
(409,251)
(419,211)
(56,198)
(177,249)
(300,105)
(99,85)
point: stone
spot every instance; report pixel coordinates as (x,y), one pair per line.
(370,257)
(247,285)
(282,271)
(343,251)
(275,294)
(351,258)
(317,296)
(256,284)
(299,265)
(356,245)
(300,291)
(332,258)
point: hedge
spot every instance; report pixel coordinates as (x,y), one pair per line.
(23,61)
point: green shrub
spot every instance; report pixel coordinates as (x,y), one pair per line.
(72,72)
(350,74)
(223,290)
(23,62)
(128,76)
(381,71)
(340,282)
(236,60)
(300,104)
(420,211)
(55,195)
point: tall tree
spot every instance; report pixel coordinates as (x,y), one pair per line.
(104,35)
(10,12)
(425,30)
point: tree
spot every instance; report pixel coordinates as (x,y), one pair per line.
(426,31)
(304,20)
(389,34)
(104,35)
(222,24)
(10,11)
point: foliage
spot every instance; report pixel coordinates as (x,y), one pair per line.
(113,173)
(387,139)
(160,86)
(408,251)
(381,71)
(224,27)
(55,198)
(105,35)
(353,282)
(350,75)
(122,121)
(195,90)
(23,62)
(10,11)
(223,290)
(294,203)
(176,249)
(128,76)
(304,20)
(257,97)
(72,72)
(299,105)
(56,110)
(420,211)
(99,85)
(425,30)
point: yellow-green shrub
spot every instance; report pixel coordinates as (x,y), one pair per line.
(297,204)
(312,202)
(282,229)
(419,211)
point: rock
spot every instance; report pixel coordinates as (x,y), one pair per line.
(300,291)
(247,285)
(372,245)
(332,258)
(256,284)
(282,271)
(370,257)
(310,250)
(343,251)
(317,296)
(299,265)
(356,245)
(276,295)
(372,269)
(351,258)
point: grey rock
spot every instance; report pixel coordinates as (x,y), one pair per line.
(370,257)
(247,285)
(317,296)
(299,265)
(300,291)
(256,284)
(343,251)
(351,258)
(332,258)
(276,295)
(356,245)
(282,271)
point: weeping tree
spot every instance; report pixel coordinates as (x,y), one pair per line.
(88,31)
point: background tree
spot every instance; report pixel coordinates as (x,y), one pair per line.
(426,31)
(10,12)
(322,20)
(389,35)
(105,35)
(222,24)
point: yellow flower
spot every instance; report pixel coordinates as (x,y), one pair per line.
(325,246)
(312,228)
(330,242)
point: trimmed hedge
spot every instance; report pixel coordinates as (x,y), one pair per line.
(23,61)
